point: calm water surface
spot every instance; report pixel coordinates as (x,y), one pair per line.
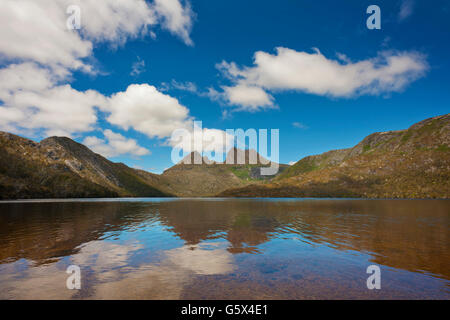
(225,248)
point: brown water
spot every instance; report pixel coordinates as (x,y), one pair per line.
(225,249)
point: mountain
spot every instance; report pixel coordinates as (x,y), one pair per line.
(412,163)
(59,167)
(206,178)
(239,156)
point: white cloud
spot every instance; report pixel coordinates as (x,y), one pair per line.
(299,125)
(40,54)
(406,9)
(112,20)
(184,86)
(292,163)
(36,31)
(138,67)
(314,73)
(214,95)
(248,97)
(24,76)
(202,140)
(32,101)
(115,145)
(176,18)
(147,110)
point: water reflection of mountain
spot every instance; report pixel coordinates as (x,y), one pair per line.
(44,232)
(244,224)
(411,235)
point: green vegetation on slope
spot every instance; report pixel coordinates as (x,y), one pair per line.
(62,168)
(413,163)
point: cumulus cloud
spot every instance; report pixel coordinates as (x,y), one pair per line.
(201,140)
(176,18)
(114,145)
(40,54)
(32,100)
(249,97)
(36,30)
(112,20)
(24,76)
(147,110)
(314,73)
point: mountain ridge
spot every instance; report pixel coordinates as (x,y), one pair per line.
(410,163)
(59,167)
(206,178)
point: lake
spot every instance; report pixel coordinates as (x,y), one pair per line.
(225,248)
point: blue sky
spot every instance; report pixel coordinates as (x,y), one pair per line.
(179,53)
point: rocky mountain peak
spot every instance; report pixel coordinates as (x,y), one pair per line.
(248,156)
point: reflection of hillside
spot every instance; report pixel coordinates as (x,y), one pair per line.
(245,224)
(410,235)
(43,232)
